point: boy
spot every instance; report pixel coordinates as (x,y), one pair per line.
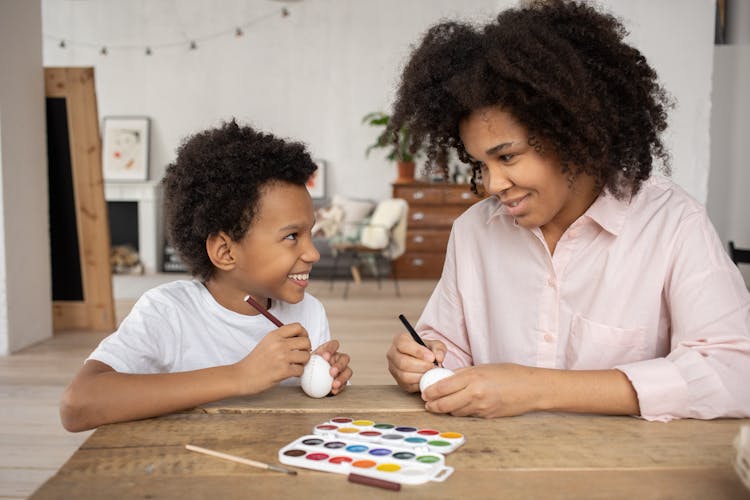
(240,216)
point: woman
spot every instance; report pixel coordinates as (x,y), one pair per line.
(581,283)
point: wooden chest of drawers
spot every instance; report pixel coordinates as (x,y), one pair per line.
(432,209)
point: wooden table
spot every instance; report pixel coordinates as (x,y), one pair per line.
(539,455)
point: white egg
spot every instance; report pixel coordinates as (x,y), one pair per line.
(316,380)
(432,376)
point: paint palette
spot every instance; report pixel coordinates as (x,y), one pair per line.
(396,453)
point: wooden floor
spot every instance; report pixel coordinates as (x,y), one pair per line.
(33,444)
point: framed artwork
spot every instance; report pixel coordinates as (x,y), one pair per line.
(125,148)
(316,184)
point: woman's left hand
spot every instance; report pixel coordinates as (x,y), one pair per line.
(488,391)
(339,362)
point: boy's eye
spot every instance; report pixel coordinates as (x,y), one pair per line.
(292,236)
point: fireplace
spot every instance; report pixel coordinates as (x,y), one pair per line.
(135,219)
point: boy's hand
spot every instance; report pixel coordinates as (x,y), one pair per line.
(339,362)
(407,360)
(281,354)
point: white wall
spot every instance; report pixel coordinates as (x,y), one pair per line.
(25,282)
(728,202)
(314,74)
(677,38)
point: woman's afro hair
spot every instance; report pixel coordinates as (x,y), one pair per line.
(562,69)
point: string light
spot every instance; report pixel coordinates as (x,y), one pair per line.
(237,31)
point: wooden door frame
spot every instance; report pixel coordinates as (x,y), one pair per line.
(96,310)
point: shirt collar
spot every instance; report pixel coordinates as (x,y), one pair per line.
(607,211)
(498,210)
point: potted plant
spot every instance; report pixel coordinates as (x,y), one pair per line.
(399,151)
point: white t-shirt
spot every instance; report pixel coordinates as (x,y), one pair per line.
(179,327)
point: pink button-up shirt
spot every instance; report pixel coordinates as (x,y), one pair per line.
(643,286)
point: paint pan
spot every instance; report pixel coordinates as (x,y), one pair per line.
(390,434)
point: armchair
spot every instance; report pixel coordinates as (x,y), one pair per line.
(373,242)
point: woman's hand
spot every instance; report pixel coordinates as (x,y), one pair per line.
(507,389)
(487,391)
(407,360)
(339,362)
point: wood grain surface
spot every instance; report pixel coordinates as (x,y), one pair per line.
(539,455)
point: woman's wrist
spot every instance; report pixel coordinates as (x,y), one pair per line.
(586,391)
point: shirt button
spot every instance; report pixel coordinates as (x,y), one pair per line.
(551,281)
(549,338)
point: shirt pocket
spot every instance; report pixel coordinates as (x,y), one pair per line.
(594,346)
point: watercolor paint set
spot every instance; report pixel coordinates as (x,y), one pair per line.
(397,453)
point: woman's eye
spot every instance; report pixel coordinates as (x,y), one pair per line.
(506,158)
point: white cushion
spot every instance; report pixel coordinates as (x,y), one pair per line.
(355,213)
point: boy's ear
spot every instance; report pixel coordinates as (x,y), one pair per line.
(219,248)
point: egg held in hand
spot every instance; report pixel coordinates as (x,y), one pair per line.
(432,376)
(316,379)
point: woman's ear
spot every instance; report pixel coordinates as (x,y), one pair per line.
(219,248)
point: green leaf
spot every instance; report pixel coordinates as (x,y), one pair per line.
(398,150)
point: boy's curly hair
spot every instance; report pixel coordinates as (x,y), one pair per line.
(562,69)
(215,185)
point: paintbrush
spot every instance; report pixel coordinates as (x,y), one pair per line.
(246,461)
(273,319)
(414,334)
(372,481)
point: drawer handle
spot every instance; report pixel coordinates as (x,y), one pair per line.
(417,262)
(465,196)
(419,239)
(418,195)
(417,216)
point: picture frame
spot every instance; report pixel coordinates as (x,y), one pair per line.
(125,148)
(316,184)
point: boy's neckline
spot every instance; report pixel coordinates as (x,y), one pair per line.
(241,310)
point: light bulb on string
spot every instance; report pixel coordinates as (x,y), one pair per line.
(238,31)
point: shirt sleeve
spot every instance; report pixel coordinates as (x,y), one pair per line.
(141,344)
(443,316)
(702,376)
